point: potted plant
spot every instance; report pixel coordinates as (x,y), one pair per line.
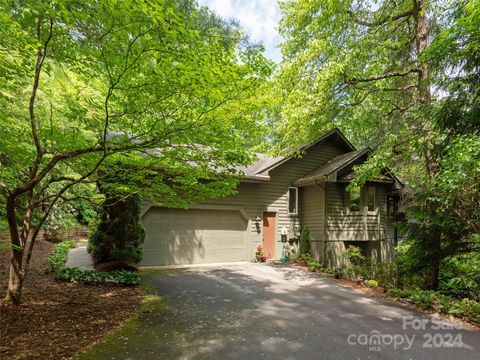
(259,254)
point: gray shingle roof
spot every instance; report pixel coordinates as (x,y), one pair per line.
(336,164)
(257,168)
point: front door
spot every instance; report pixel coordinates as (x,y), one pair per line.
(269,234)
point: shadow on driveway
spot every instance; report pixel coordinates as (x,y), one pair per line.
(257,311)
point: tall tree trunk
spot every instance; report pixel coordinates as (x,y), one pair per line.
(14,289)
(425,97)
(421,39)
(15,282)
(434,257)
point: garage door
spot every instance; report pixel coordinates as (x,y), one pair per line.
(194,236)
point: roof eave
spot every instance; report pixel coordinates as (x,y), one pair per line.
(255,178)
(310,181)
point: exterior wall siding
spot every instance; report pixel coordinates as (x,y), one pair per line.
(255,198)
(322,210)
(343,226)
(313,217)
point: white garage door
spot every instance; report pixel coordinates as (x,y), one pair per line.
(194,236)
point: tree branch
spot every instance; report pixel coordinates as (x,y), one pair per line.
(381,21)
(41,55)
(387,75)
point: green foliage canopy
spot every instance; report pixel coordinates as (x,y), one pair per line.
(155,96)
(403,78)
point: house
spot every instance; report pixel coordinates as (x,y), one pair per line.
(276,198)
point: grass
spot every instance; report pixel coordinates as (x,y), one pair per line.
(148,273)
(152,303)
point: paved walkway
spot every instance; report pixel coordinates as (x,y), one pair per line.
(258,311)
(80,258)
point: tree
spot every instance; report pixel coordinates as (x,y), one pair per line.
(151,94)
(119,234)
(364,67)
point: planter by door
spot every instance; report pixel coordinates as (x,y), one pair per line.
(269,234)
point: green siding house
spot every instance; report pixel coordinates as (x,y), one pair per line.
(276,198)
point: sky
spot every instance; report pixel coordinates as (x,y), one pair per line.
(259,18)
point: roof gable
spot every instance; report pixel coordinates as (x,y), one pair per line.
(332,167)
(265,163)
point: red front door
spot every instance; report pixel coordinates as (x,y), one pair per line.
(269,234)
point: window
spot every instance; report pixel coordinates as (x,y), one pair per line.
(391,206)
(371,198)
(354,196)
(293,200)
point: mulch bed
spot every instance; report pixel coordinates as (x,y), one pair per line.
(57,319)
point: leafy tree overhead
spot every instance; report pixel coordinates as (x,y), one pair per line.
(156,96)
(402,77)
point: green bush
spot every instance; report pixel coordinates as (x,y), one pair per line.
(399,293)
(372,283)
(354,255)
(57,259)
(409,264)
(359,265)
(460,276)
(428,299)
(386,273)
(305,242)
(314,265)
(466,307)
(119,234)
(117,277)
(328,271)
(56,264)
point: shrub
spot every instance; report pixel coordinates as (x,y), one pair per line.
(305,242)
(117,277)
(119,234)
(354,255)
(386,273)
(460,276)
(372,283)
(328,271)
(359,265)
(348,273)
(428,299)
(57,259)
(466,307)
(409,263)
(312,264)
(56,264)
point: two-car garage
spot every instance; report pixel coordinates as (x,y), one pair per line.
(194,236)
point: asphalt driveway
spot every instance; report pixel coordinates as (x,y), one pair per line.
(258,311)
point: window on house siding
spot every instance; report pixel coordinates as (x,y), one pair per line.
(293,200)
(371,198)
(391,206)
(355,196)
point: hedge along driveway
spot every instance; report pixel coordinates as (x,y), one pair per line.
(254,311)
